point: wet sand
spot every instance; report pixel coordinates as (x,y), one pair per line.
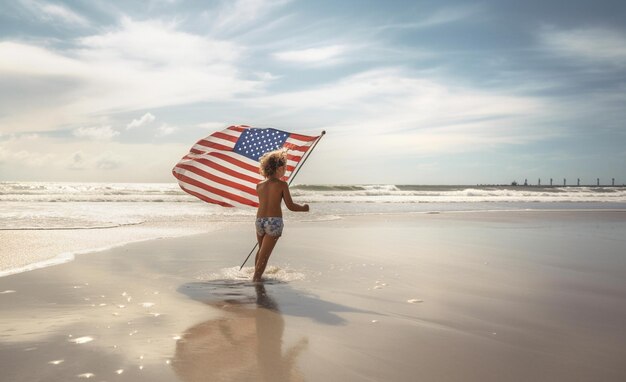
(27,249)
(500,296)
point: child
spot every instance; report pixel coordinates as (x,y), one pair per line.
(269,218)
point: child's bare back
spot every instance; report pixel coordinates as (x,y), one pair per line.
(269,222)
(271,193)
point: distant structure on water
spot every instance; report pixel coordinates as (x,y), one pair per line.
(525,184)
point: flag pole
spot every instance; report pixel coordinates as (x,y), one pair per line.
(290,180)
(307,157)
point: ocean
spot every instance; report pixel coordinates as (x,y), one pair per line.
(55,218)
(46,206)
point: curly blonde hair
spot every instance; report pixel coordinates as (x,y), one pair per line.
(271,161)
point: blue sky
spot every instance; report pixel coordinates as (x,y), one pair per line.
(409,92)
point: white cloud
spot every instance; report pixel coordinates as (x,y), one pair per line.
(236,14)
(54,159)
(165,130)
(439,17)
(266,76)
(392,87)
(30,60)
(22,157)
(322,55)
(76,161)
(390,111)
(47,11)
(144,120)
(448,15)
(590,44)
(104,161)
(103,133)
(137,65)
(155,42)
(108,161)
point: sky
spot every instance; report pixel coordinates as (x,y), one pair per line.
(409,92)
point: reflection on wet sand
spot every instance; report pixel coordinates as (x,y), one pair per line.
(244,345)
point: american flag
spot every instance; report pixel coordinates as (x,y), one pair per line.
(223,168)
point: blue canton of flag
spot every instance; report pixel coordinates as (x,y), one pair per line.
(253,142)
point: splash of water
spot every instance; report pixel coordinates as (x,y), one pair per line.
(272,273)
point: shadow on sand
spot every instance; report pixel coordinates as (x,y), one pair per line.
(246,343)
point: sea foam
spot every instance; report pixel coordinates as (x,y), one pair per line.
(272,273)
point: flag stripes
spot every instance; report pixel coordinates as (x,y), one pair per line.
(221,168)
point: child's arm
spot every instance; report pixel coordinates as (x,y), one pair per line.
(289,203)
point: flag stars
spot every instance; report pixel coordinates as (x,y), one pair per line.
(253,143)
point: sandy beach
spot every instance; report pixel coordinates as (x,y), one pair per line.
(475,296)
(451,175)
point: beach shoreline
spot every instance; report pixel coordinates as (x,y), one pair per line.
(382,297)
(24,250)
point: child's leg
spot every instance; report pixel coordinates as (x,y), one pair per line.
(264,255)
